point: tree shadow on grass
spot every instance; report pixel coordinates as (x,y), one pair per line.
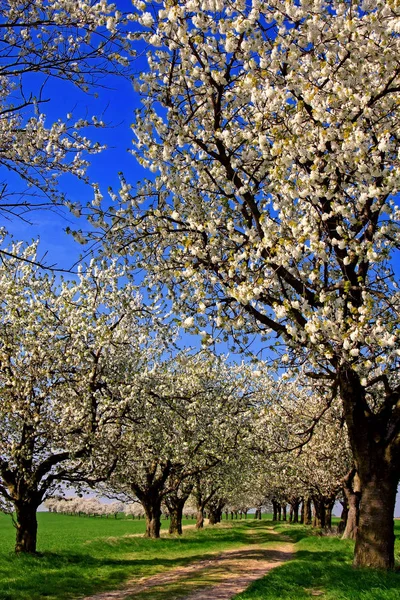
(328,573)
(69,575)
(111,562)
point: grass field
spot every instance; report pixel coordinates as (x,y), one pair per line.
(79,556)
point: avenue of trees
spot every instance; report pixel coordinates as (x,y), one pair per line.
(269,220)
(271,130)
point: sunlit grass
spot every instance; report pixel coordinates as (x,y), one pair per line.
(322,569)
(79,556)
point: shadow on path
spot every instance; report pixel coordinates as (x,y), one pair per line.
(215,577)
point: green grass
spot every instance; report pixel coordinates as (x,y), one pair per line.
(79,556)
(322,568)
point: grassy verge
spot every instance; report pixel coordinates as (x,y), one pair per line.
(80,556)
(322,568)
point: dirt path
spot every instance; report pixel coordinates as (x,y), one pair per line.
(241,570)
(215,578)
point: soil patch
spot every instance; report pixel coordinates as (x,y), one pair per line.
(215,578)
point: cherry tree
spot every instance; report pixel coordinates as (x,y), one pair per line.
(181,418)
(77,506)
(321,466)
(179,490)
(61,376)
(270,128)
(135,509)
(302,437)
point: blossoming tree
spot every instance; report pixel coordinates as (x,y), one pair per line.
(271,130)
(60,348)
(181,418)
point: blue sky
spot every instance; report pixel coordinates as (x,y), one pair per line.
(115,106)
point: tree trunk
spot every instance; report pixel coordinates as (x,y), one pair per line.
(375,533)
(319,512)
(352,492)
(215,515)
(343,517)
(212,519)
(296,504)
(328,506)
(26,526)
(284,514)
(307,512)
(175,505)
(175,525)
(152,509)
(353,516)
(200,518)
(374,441)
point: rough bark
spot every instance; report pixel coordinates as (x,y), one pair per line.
(215,508)
(294,504)
(375,441)
(375,532)
(352,492)
(151,494)
(152,509)
(26,526)
(175,524)
(343,517)
(200,518)
(213,518)
(203,496)
(319,512)
(175,502)
(294,509)
(328,506)
(307,512)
